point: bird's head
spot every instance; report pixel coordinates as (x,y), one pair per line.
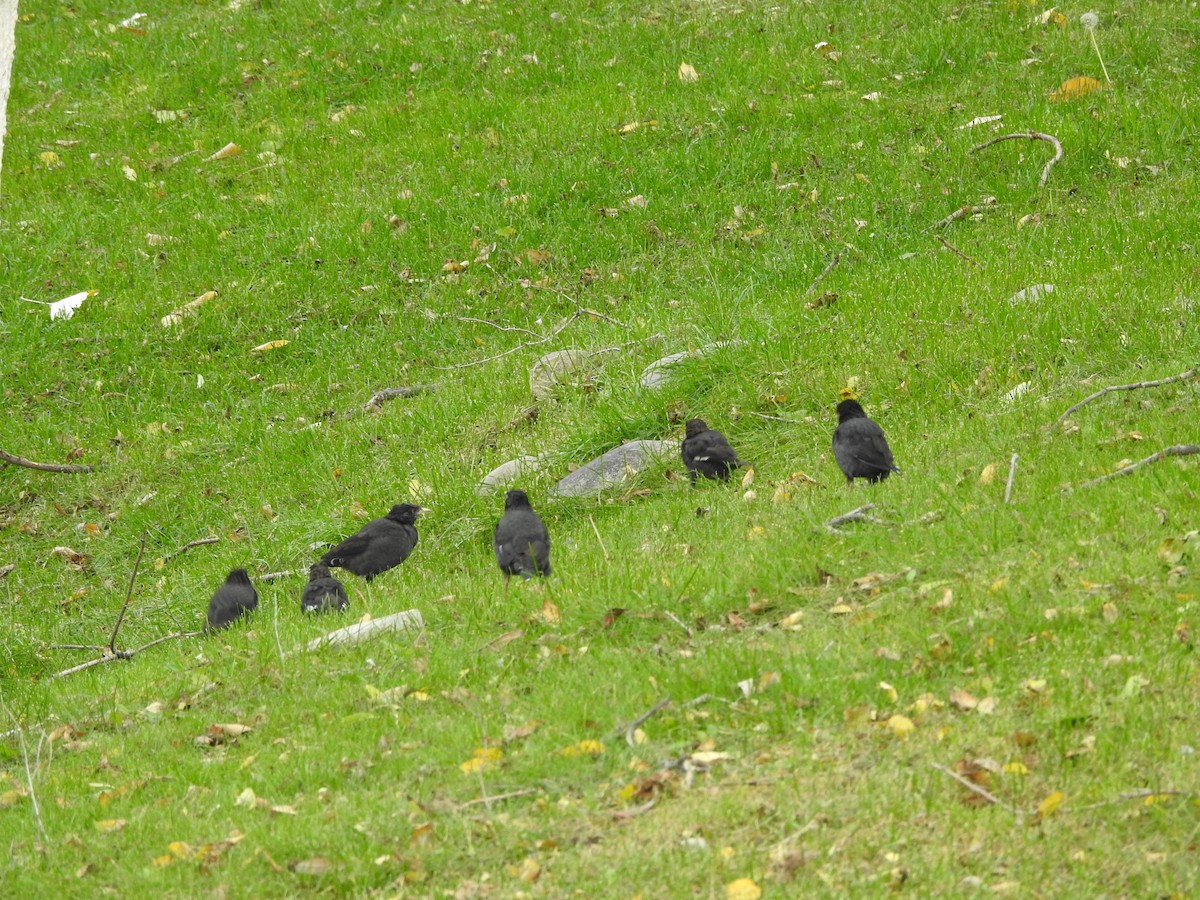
(405,513)
(238,576)
(516,500)
(695,427)
(318,571)
(850,409)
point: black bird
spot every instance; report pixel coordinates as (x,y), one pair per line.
(323,593)
(521,541)
(379,545)
(236,597)
(859,446)
(706,452)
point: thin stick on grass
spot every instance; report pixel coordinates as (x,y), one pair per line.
(557,330)
(112,640)
(33,802)
(524,792)
(678,621)
(582,309)
(123,654)
(961,213)
(1176,450)
(859,514)
(982,792)
(598,538)
(1129,795)
(949,246)
(199,542)
(380,397)
(633,726)
(837,258)
(1182,376)
(1012,474)
(1031,136)
(496,326)
(275,576)
(62,468)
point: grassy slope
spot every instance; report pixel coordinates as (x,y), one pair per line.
(446,121)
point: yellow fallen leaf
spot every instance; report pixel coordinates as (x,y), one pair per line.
(1074,88)
(743,889)
(901,726)
(549,612)
(529,870)
(11,798)
(269,345)
(687,74)
(889,690)
(585,747)
(988,475)
(1050,804)
(104,826)
(1016,768)
(480,759)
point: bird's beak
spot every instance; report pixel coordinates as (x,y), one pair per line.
(423,509)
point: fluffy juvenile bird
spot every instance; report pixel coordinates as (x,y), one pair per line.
(379,545)
(859,446)
(521,541)
(706,452)
(236,597)
(323,593)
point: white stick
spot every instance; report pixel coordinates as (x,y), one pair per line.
(8,49)
(356,634)
(1012,473)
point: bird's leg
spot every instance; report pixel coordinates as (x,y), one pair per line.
(507,576)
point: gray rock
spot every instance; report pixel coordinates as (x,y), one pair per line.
(656,374)
(614,467)
(509,472)
(558,368)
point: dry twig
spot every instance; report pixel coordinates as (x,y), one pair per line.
(65,468)
(123,654)
(633,726)
(949,246)
(199,542)
(859,514)
(1176,450)
(1012,473)
(961,212)
(982,792)
(1182,376)
(112,640)
(379,397)
(837,258)
(1128,795)
(1032,136)
(496,797)
(37,810)
(598,538)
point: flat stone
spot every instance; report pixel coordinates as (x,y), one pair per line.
(614,467)
(655,375)
(508,472)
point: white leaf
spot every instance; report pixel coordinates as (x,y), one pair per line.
(65,308)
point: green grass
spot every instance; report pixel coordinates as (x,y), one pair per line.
(383,140)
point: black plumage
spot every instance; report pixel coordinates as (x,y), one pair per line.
(323,593)
(379,545)
(859,446)
(521,541)
(706,452)
(236,597)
